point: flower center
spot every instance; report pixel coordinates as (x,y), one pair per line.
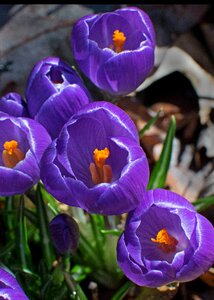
(166,242)
(11,154)
(100,172)
(119,39)
(55,75)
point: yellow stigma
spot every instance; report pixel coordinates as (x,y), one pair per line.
(166,242)
(119,39)
(100,157)
(100,172)
(10,146)
(11,154)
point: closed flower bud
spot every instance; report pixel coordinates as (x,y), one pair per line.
(54,93)
(65,233)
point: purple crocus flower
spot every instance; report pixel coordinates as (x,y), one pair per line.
(165,240)
(115,50)
(96,163)
(14,105)
(9,287)
(65,233)
(54,93)
(22,143)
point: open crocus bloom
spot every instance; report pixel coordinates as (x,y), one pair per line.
(165,240)
(115,50)
(22,143)
(54,93)
(96,163)
(9,287)
(13,105)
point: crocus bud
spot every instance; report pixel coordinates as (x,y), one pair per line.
(115,50)
(54,93)
(65,233)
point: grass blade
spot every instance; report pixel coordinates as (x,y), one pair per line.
(159,173)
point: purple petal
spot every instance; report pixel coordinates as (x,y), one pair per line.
(137,274)
(81,145)
(114,74)
(14,182)
(58,109)
(104,26)
(137,18)
(85,197)
(53,179)
(120,125)
(37,136)
(9,287)
(165,198)
(13,105)
(203,257)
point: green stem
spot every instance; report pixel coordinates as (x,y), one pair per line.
(97,226)
(121,292)
(22,238)
(10,218)
(88,252)
(47,248)
(74,287)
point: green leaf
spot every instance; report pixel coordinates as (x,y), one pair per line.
(122,291)
(46,243)
(7,249)
(79,272)
(116,232)
(149,124)
(51,201)
(97,224)
(203,203)
(159,173)
(22,238)
(31,216)
(10,218)
(88,253)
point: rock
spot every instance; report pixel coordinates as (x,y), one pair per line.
(33,33)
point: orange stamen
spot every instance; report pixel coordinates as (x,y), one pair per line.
(100,172)
(166,242)
(119,39)
(11,154)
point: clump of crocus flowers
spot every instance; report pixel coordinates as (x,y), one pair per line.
(88,155)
